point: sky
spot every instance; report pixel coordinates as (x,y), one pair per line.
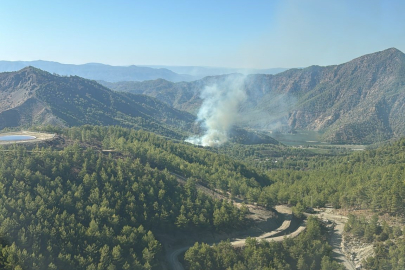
(221,33)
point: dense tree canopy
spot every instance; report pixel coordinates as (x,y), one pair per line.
(371,179)
(210,169)
(81,208)
(95,198)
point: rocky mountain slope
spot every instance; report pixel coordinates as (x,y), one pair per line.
(35,97)
(361,101)
(32,96)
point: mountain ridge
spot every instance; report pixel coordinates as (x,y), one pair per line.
(97,71)
(35,97)
(32,96)
(360,101)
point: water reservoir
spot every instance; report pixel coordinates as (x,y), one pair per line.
(17,138)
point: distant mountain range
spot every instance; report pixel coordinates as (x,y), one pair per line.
(361,101)
(201,72)
(96,71)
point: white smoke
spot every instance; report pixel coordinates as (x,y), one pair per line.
(219,110)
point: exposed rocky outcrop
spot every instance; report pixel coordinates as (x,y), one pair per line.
(361,101)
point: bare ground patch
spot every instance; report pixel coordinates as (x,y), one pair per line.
(39,137)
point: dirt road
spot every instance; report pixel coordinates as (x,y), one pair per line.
(172,257)
(281,209)
(335,240)
(336,237)
(256,213)
(275,235)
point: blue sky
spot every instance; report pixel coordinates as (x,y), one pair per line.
(244,34)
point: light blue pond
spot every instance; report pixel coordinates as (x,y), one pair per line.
(17,138)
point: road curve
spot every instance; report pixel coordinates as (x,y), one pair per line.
(274,235)
(281,209)
(173,258)
(286,211)
(241,243)
(336,238)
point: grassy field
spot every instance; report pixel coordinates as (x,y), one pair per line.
(311,140)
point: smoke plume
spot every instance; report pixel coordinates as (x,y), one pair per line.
(219,110)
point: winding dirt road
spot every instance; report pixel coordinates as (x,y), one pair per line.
(270,236)
(336,237)
(335,240)
(274,235)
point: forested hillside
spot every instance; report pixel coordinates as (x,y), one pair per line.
(360,101)
(363,179)
(75,206)
(95,197)
(35,97)
(371,179)
(209,169)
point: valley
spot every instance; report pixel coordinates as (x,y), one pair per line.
(312,140)
(219,173)
(149,149)
(358,102)
(204,135)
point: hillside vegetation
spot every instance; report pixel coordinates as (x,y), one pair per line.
(371,179)
(35,97)
(73,205)
(359,102)
(77,207)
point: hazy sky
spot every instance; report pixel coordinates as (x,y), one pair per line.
(249,34)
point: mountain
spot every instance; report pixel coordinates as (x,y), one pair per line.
(183,95)
(35,97)
(95,71)
(361,101)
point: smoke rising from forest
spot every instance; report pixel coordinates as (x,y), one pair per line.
(219,110)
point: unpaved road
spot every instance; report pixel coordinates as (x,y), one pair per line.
(336,237)
(287,213)
(256,214)
(335,240)
(172,257)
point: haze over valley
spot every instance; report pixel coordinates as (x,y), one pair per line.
(204,135)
